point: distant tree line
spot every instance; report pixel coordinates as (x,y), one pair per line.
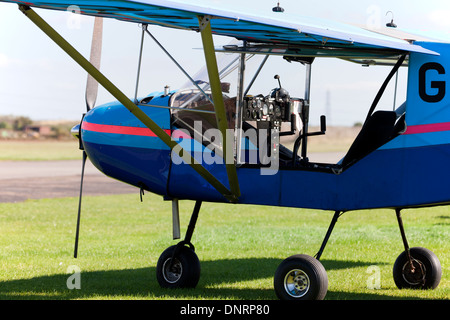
(18,123)
(22,124)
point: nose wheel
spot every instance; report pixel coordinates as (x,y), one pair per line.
(178,267)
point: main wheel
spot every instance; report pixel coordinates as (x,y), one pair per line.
(183,272)
(424,273)
(301,277)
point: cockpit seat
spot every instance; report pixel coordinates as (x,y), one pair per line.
(380,128)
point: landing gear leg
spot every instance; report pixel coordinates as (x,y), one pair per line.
(178,266)
(302,277)
(415,268)
(336,216)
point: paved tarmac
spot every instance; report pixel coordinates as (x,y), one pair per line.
(22,180)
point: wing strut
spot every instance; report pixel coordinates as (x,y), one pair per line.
(219,106)
(122,98)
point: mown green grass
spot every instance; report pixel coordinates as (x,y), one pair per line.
(27,150)
(239,247)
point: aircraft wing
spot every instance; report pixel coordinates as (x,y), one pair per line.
(286,29)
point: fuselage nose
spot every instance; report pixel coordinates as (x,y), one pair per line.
(122,147)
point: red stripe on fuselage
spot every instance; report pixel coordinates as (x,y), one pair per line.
(425,128)
(108,128)
(138,131)
(134,131)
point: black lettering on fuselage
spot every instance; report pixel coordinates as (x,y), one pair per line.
(440,85)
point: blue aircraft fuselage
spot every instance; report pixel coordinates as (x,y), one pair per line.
(410,169)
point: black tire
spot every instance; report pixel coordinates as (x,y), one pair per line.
(427,274)
(301,277)
(185,272)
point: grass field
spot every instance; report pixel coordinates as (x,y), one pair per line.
(31,150)
(239,247)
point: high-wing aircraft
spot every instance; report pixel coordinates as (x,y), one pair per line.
(201,143)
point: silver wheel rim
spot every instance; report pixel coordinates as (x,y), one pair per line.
(172,275)
(414,279)
(296,283)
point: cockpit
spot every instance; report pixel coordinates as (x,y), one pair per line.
(257,121)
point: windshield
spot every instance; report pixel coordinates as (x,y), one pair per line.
(193,108)
(196,113)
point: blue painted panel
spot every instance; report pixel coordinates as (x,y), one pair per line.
(133,159)
(385,178)
(308,189)
(134,166)
(115,113)
(427,173)
(426,67)
(186,183)
(418,140)
(123,140)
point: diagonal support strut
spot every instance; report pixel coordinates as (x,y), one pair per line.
(219,106)
(122,98)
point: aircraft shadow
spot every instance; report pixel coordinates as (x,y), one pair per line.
(220,279)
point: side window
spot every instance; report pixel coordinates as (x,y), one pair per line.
(196,114)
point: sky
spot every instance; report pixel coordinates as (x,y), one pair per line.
(38,80)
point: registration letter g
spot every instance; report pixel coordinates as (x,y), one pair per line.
(440,85)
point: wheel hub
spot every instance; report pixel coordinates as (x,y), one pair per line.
(296,283)
(172,271)
(414,272)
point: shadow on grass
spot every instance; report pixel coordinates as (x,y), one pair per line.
(219,280)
